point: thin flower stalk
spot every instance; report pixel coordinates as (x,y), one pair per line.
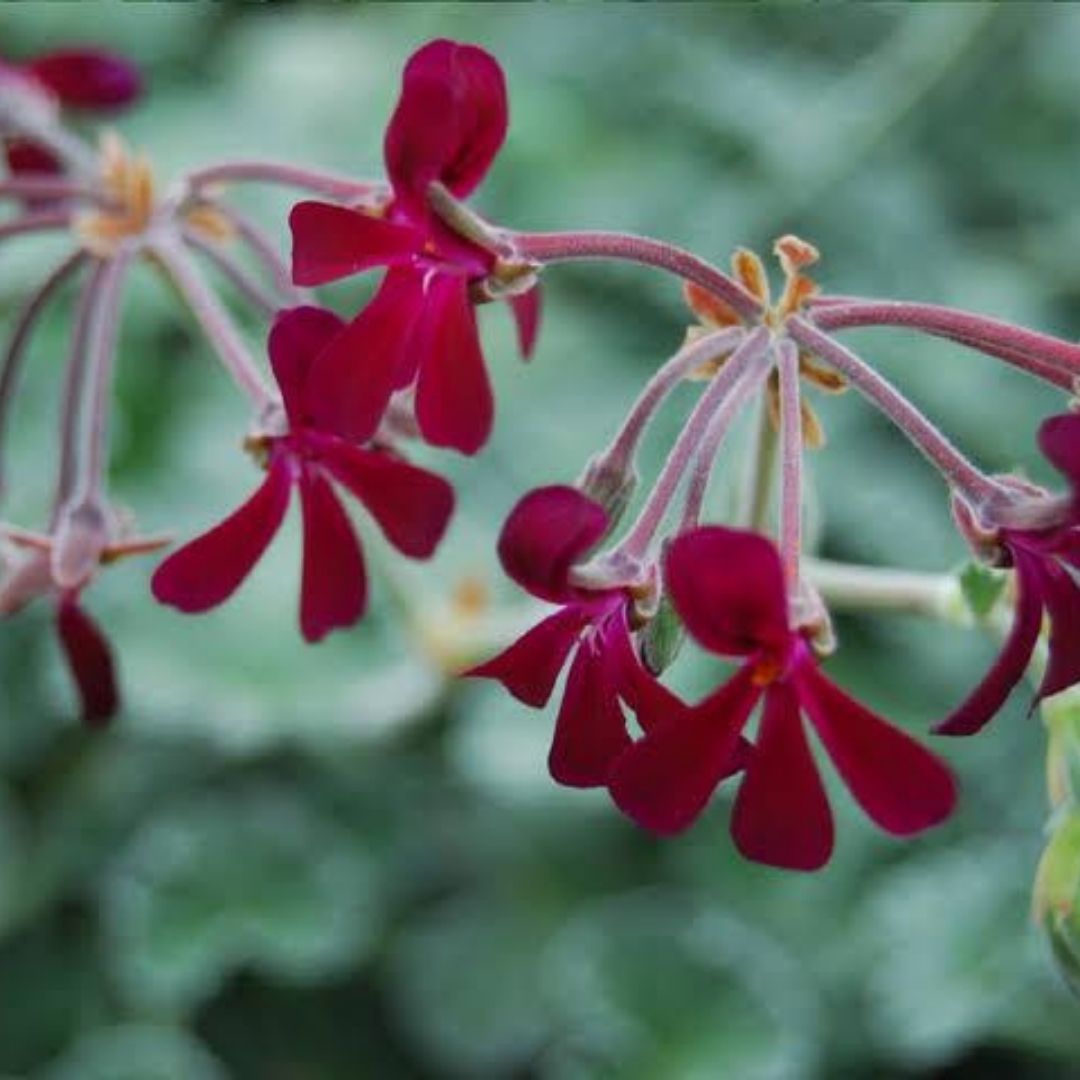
(565,246)
(791,455)
(1048,357)
(637,540)
(320,182)
(19,341)
(960,474)
(238,275)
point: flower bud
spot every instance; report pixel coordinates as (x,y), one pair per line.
(1056,893)
(662,637)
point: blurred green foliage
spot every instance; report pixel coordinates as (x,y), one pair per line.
(329,863)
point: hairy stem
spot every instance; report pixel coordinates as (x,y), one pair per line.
(749,385)
(791,454)
(14,357)
(637,540)
(959,473)
(760,469)
(564,246)
(251,289)
(1048,357)
(623,448)
(332,185)
(216,323)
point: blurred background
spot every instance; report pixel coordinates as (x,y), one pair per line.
(290,863)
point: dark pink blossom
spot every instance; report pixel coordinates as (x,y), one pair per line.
(728,587)
(421,327)
(548,531)
(410,505)
(83,79)
(86,649)
(1045,561)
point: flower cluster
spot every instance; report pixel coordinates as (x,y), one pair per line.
(337,399)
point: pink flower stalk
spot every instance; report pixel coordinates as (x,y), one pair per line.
(86,649)
(410,505)
(421,327)
(547,532)
(82,79)
(728,587)
(1045,561)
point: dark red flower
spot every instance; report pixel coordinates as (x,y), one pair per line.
(1045,561)
(410,505)
(728,587)
(548,531)
(86,649)
(421,327)
(84,79)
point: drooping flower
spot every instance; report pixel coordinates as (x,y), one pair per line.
(421,327)
(82,79)
(546,533)
(411,505)
(728,587)
(30,575)
(1045,561)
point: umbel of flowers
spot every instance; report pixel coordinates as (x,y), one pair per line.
(332,409)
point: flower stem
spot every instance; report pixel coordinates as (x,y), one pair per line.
(216,323)
(714,436)
(1048,357)
(791,454)
(635,543)
(35,221)
(263,248)
(14,357)
(959,473)
(237,274)
(47,187)
(332,185)
(623,448)
(761,467)
(875,588)
(563,246)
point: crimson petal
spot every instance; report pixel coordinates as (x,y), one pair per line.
(1008,669)
(1059,440)
(529,667)
(333,591)
(90,659)
(331,242)
(590,731)
(1062,599)
(208,570)
(353,377)
(728,587)
(782,814)
(900,784)
(87,78)
(454,403)
(26,157)
(549,530)
(296,339)
(526,311)
(411,505)
(664,781)
(449,122)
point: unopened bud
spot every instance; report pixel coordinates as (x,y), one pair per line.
(662,637)
(1055,897)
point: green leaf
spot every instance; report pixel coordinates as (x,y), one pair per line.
(981,586)
(136,1052)
(254,877)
